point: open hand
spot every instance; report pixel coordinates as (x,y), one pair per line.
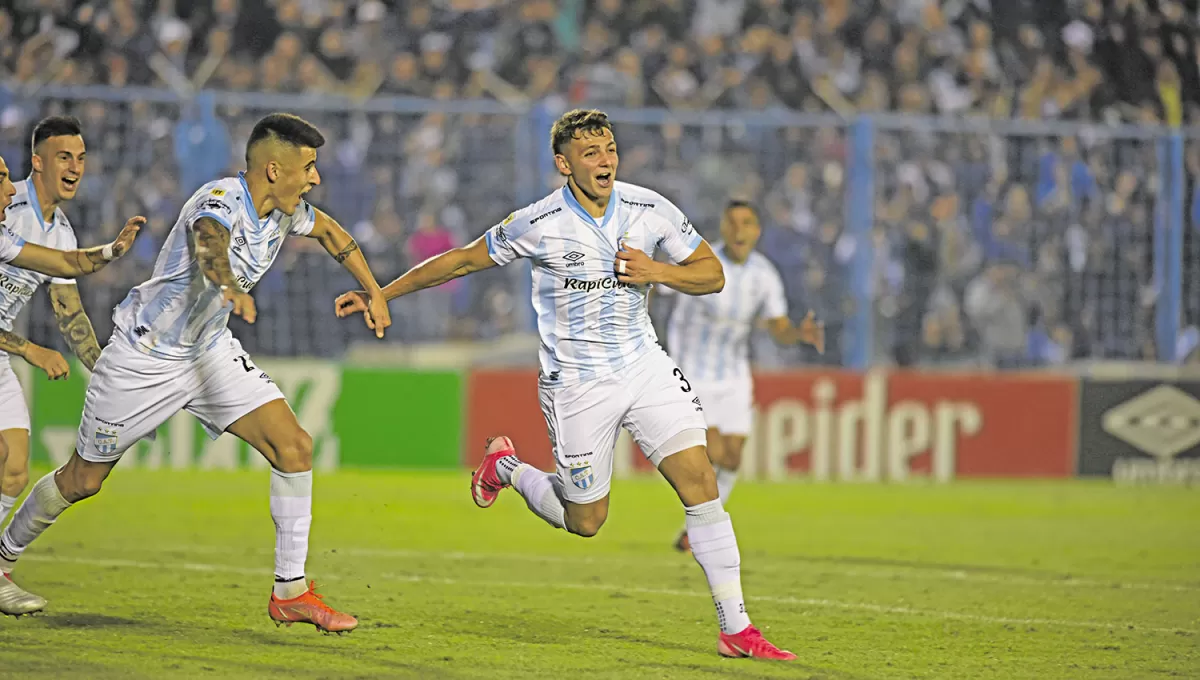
(128,233)
(812,332)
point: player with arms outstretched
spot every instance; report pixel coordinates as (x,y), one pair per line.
(59,160)
(17,259)
(591,244)
(171,350)
(709,336)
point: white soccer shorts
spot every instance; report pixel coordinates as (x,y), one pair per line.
(728,405)
(132,393)
(651,398)
(14,412)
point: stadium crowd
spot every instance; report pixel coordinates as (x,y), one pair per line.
(1010,251)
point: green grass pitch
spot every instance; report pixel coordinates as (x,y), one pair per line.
(166,574)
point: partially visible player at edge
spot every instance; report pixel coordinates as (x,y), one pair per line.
(59,160)
(709,337)
(171,350)
(592,244)
(17,257)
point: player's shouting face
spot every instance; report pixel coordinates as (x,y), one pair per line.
(60,160)
(293,173)
(590,160)
(7,190)
(740,231)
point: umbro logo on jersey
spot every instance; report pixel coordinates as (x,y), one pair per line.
(545,215)
(574,258)
(696,401)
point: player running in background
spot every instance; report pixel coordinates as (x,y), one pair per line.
(171,350)
(592,244)
(59,159)
(709,336)
(17,254)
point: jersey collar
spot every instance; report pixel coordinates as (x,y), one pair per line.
(576,208)
(37,205)
(249,202)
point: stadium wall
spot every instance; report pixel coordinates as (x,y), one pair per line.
(1137,426)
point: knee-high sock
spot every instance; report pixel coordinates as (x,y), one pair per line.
(710,532)
(43,505)
(291,509)
(540,493)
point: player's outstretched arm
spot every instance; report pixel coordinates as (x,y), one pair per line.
(210,245)
(69,264)
(48,360)
(342,246)
(432,272)
(700,274)
(74,323)
(809,332)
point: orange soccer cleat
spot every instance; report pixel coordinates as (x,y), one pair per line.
(309,607)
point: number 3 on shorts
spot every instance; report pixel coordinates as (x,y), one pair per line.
(687,386)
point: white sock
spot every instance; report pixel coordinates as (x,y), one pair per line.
(725,481)
(291,508)
(6,504)
(43,505)
(506,466)
(538,489)
(714,546)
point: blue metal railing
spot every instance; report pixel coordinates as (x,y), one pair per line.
(530,163)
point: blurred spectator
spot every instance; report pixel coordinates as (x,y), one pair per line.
(1027,249)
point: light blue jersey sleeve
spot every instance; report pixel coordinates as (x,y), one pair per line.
(676,235)
(216,203)
(775,299)
(301,222)
(513,238)
(10,245)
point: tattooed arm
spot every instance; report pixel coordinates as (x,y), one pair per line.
(210,245)
(44,358)
(338,243)
(73,263)
(74,323)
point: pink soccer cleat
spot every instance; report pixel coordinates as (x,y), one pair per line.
(485,482)
(750,643)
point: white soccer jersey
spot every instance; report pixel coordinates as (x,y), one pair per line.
(590,324)
(709,335)
(178,313)
(24,223)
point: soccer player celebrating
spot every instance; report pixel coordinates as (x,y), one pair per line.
(171,350)
(59,159)
(22,262)
(710,335)
(591,245)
